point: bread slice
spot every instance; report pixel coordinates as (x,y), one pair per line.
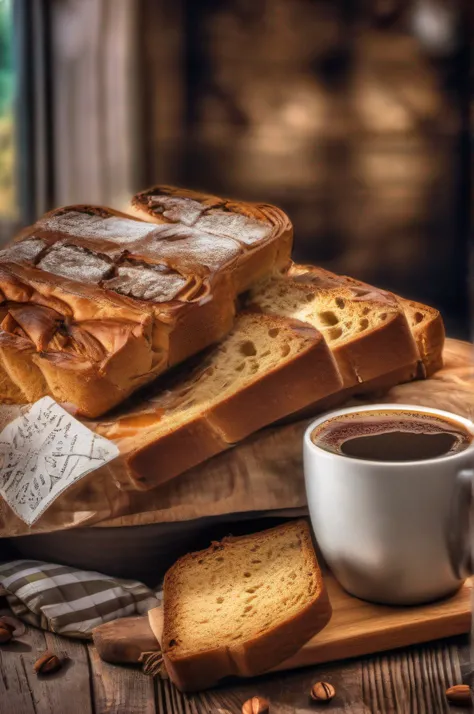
(267,367)
(426,325)
(242,606)
(365,328)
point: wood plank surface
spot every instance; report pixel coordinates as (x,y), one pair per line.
(408,681)
(356,628)
(23,692)
(411,681)
(121,690)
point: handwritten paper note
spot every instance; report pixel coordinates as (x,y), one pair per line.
(43,452)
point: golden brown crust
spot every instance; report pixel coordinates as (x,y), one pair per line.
(383,349)
(12,394)
(433,338)
(175,452)
(107,302)
(428,330)
(202,324)
(203,669)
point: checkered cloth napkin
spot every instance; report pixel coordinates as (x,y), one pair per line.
(68,601)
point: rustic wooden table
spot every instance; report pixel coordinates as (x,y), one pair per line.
(408,681)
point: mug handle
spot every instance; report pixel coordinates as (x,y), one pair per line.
(460,530)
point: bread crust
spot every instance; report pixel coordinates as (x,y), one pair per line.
(158,205)
(204,669)
(387,347)
(202,324)
(175,452)
(374,386)
(429,334)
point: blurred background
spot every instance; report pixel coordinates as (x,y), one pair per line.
(351,115)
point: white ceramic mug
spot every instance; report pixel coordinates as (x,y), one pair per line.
(384,528)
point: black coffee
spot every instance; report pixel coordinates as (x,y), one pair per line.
(391,436)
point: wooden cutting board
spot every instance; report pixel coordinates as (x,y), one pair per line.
(356,628)
(359,628)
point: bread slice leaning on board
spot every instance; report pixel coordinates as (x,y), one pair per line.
(242,606)
(95,303)
(265,371)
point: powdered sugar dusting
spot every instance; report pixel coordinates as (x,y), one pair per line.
(83,225)
(235,225)
(146,284)
(189,248)
(24,251)
(73,262)
(177,210)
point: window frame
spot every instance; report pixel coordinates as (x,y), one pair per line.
(34,127)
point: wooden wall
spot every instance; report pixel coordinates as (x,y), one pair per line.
(347,123)
(340,115)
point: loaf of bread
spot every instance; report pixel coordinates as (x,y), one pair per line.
(267,368)
(242,606)
(262,232)
(310,340)
(95,303)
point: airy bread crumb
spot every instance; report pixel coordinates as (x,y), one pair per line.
(235,596)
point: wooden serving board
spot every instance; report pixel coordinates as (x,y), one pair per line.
(356,628)
(359,628)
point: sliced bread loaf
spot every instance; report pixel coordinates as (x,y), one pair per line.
(242,606)
(267,368)
(365,328)
(426,325)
